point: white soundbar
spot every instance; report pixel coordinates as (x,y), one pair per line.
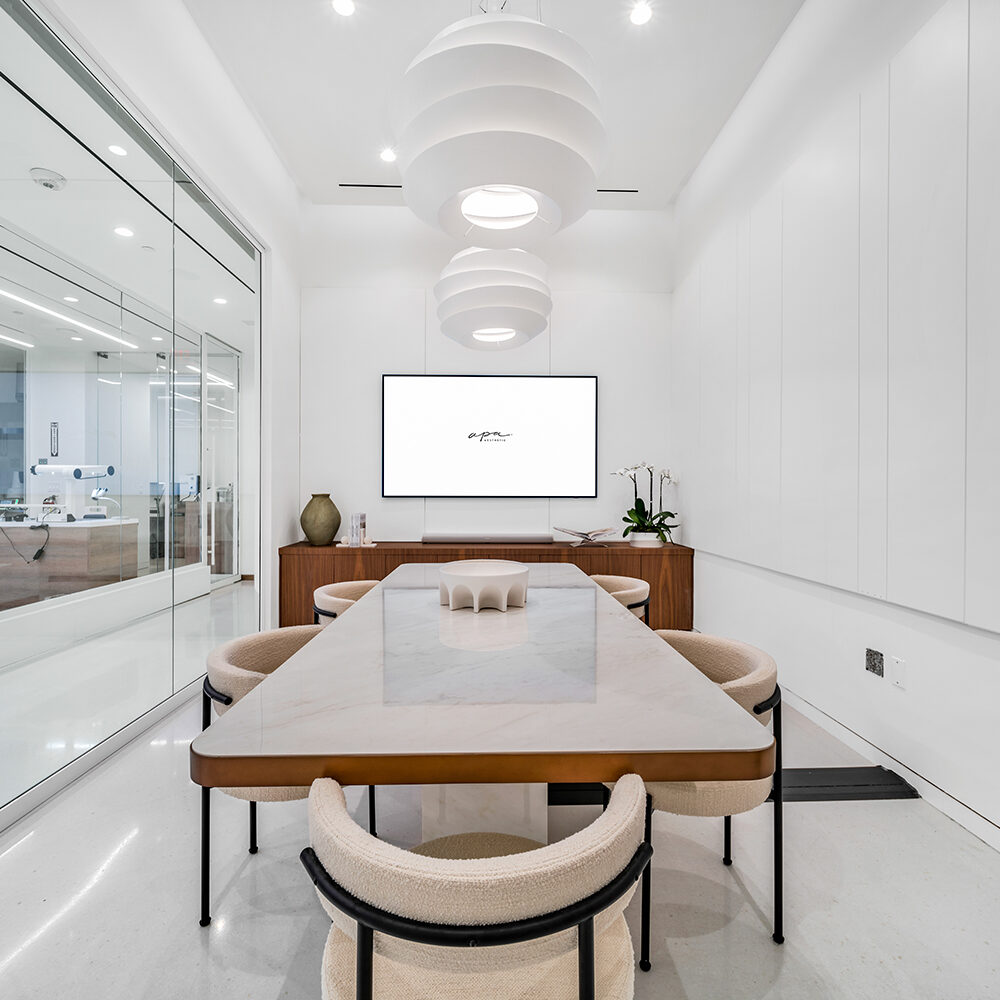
(480,538)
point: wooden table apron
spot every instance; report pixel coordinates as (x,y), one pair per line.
(239,749)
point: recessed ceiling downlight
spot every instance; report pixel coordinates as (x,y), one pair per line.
(70,298)
(124,232)
(344,7)
(118,150)
(388,155)
(499,206)
(641,12)
(495,334)
(220,301)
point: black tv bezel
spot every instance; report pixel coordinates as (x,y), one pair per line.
(491,496)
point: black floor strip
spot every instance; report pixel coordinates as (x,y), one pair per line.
(843,784)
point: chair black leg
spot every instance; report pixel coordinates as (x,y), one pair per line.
(253,827)
(779,934)
(585,960)
(206,917)
(372,828)
(605,798)
(727,848)
(315,618)
(644,962)
(363,969)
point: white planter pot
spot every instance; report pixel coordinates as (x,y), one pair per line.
(645,539)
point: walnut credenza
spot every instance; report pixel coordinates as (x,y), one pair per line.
(668,570)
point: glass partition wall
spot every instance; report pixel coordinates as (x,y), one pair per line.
(128,302)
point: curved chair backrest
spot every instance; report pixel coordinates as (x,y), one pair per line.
(626,590)
(747,674)
(334,599)
(238,666)
(482,892)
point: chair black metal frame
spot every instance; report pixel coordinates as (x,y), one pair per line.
(579,914)
(318,612)
(771,704)
(645,609)
(208,695)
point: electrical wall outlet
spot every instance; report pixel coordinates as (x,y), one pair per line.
(875,662)
(897,672)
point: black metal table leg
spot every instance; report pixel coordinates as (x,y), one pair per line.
(206,917)
(644,962)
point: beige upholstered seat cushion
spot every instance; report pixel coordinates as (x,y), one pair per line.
(474,889)
(748,675)
(237,667)
(336,598)
(624,589)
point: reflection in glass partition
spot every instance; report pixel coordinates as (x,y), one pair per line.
(128,302)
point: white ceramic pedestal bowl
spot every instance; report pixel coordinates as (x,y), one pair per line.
(484,583)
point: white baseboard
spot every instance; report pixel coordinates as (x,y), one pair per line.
(36,796)
(976,824)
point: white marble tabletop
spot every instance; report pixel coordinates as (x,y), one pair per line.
(400,689)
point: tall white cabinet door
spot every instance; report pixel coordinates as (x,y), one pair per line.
(873,347)
(983,475)
(927,358)
(762,502)
(819,344)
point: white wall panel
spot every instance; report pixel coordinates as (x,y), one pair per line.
(819,387)
(762,501)
(621,338)
(983,482)
(350,338)
(684,386)
(927,360)
(873,346)
(719,310)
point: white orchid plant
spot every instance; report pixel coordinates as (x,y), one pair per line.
(640,517)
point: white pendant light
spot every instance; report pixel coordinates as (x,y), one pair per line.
(493,300)
(500,137)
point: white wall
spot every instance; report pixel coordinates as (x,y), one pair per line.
(835,368)
(155,53)
(370,310)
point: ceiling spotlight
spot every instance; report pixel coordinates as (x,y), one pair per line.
(344,7)
(641,12)
(76,338)
(123,231)
(388,155)
(70,298)
(220,302)
(118,150)
(157,338)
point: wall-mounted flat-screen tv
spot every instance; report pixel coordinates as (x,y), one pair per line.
(489,436)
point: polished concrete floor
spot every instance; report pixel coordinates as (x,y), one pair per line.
(58,706)
(99,895)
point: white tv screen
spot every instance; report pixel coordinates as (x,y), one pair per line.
(489,436)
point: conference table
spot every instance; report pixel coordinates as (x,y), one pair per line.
(401,690)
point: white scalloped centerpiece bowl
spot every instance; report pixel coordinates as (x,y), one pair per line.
(484,583)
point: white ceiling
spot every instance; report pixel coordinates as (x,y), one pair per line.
(321,84)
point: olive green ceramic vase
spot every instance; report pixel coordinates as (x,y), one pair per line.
(320,519)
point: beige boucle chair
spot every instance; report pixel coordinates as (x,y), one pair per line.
(627,590)
(750,677)
(477,915)
(334,599)
(234,669)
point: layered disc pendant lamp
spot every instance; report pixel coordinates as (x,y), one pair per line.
(500,141)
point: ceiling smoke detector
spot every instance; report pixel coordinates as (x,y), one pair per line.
(47,179)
